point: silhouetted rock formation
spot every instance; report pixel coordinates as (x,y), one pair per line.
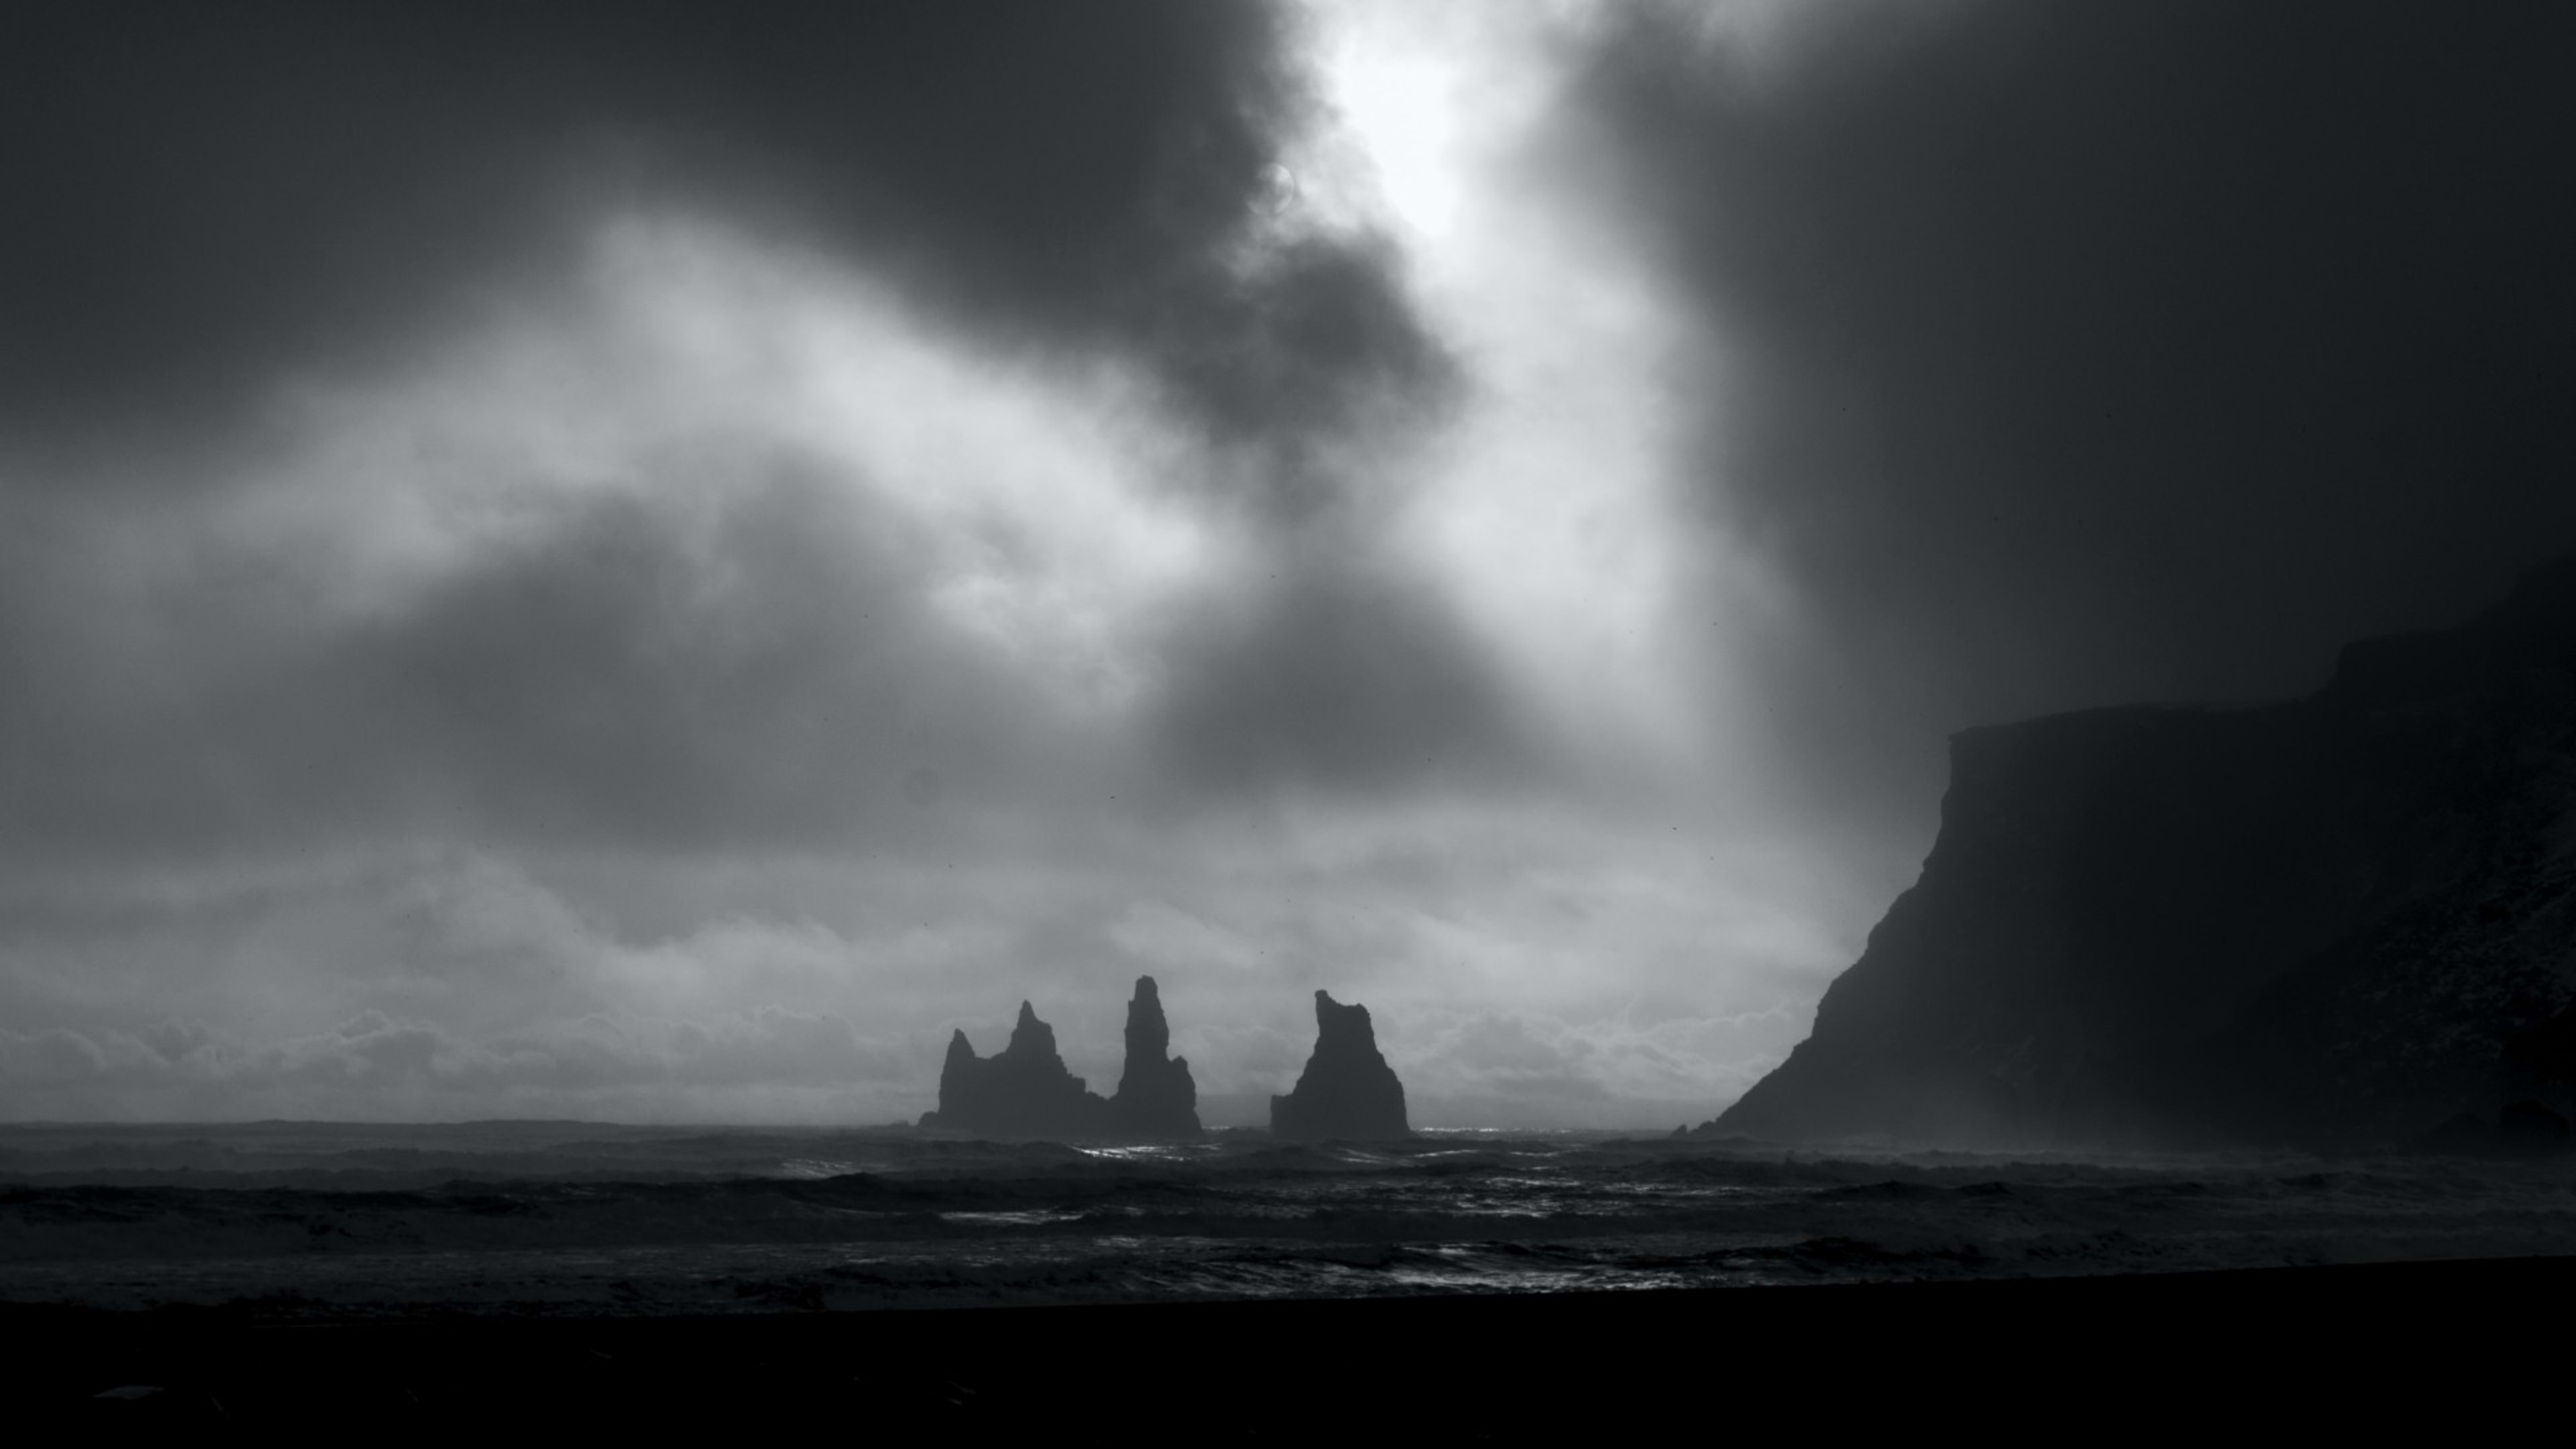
(1156,1098)
(1347,1089)
(1021,1092)
(2348,918)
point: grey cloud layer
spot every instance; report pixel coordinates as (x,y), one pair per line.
(208,193)
(2055,355)
(317,576)
(211,201)
(643,667)
(207,196)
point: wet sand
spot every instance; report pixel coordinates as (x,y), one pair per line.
(2385,1347)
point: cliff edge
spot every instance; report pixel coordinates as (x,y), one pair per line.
(2346,919)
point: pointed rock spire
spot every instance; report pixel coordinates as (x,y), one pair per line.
(1023,1092)
(1030,1035)
(1347,1089)
(1156,1098)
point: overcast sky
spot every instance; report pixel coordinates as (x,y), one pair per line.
(649,560)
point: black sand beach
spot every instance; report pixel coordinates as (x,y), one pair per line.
(2296,1350)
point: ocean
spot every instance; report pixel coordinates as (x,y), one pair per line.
(297,1221)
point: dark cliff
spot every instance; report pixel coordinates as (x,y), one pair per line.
(1156,1098)
(1347,1089)
(1023,1091)
(2344,919)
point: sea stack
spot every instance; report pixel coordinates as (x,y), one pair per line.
(1022,1092)
(1347,1089)
(1156,1098)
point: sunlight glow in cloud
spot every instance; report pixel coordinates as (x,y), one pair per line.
(1549,507)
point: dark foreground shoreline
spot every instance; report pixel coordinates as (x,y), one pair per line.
(2374,1346)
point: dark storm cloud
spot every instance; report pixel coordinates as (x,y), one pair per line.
(1316,346)
(2074,353)
(203,195)
(207,200)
